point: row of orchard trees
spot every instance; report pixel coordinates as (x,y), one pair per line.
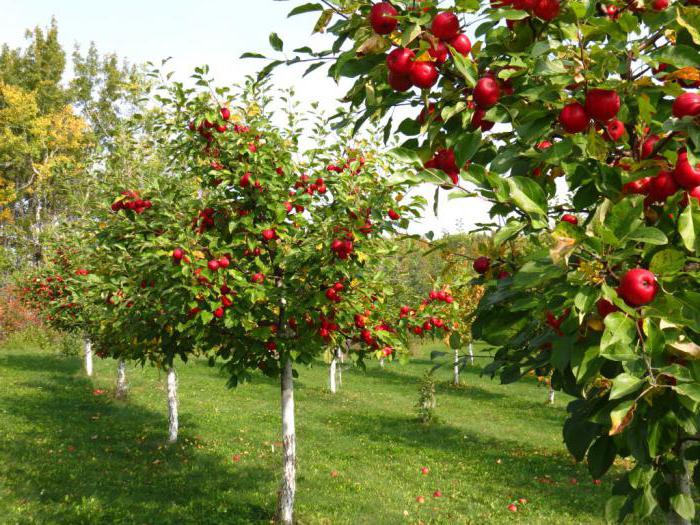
(578,122)
(233,245)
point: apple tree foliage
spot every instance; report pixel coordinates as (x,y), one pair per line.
(577,121)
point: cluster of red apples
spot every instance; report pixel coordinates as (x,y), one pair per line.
(130,201)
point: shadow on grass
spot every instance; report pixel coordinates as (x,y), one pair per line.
(90,459)
(483,454)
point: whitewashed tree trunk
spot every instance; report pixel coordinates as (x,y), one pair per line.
(381,362)
(682,482)
(456,367)
(122,386)
(285,504)
(172,406)
(550,395)
(471,354)
(332,372)
(88,357)
(341,357)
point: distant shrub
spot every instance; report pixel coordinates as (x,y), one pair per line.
(15,316)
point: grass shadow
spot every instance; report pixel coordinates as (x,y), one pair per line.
(89,459)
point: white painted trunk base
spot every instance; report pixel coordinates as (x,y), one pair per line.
(456,368)
(122,386)
(332,372)
(471,354)
(550,395)
(172,406)
(285,503)
(88,357)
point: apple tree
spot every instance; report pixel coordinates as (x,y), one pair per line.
(578,122)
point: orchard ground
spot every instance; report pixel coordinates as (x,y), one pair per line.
(70,453)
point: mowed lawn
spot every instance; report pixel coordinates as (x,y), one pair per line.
(70,455)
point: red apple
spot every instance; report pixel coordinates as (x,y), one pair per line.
(513,507)
(269,234)
(213,265)
(648,145)
(382,18)
(482,264)
(399,82)
(573,118)
(424,470)
(219,312)
(546,9)
(637,187)
(245,180)
(662,187)
(424,74)
(615,129)
(571,219)
(687,105)
(400,60)
(605,307)
(178,254)
(659,5)
(461,44)
(257,277)
(695,193)
(479,122)
(487,92)
(638,287)
(685,175)
(420,499)
(437,494)
(602,104)
(225,113)
(224,262)
(445,25)
(393,215)
(439,52)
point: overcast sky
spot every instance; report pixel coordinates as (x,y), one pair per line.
(213,32)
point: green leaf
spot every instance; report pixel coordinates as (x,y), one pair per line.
(649,235)
(667,262)
(323,21)
(625,384)
(689,226)
(509,230)
(467,145)
(252,55)
(684,505)
(691,390)
(407,155)
(465,68)
(601,456)
(619,338)
(305,8)
(528,195)
(645,503)
(578,436)
(276,42)
(689,18)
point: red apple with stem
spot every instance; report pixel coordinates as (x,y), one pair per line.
(461,44)
(686,105)
(482,265)
(638,287)
(445,25)
(399,82)
(487,92)
(424,75)
(615,129)
(573,118)
(382,18)
(400,60)
(602,104)
(685,175)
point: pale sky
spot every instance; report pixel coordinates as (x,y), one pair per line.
(213,32)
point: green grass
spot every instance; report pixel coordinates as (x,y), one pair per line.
(69,456)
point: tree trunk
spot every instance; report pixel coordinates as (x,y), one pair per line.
(381,362)
(88,357)
(172,406)
(332,372)
(122,387)
(550,395)
(456,368)
(341,358)
(682,483)
(285,504)
(471,354)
